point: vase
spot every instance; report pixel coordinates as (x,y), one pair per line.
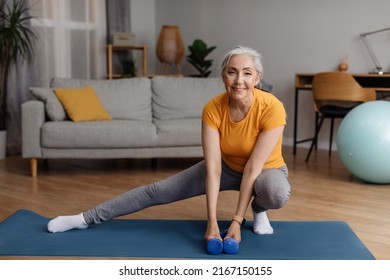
(343,66)
(170,47)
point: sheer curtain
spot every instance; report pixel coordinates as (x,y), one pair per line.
(73,35)
(72,39)
(71,44)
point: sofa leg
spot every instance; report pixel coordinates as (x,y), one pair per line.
(34,167)
(154,163)
(45,163)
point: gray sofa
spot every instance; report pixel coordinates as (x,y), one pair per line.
(152,118)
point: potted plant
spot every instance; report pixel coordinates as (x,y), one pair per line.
(129,70)
(16,44)
(197,58)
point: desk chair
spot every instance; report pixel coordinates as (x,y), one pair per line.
(335,94)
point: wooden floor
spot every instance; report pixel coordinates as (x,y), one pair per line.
(321,190)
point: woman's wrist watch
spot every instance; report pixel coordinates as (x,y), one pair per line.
(238,219)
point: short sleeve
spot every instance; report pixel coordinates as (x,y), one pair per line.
(210,115)
(274,115)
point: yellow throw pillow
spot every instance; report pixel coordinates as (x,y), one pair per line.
(82,104)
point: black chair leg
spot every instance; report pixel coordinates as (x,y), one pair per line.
(331,136)
(316,127)
(314,142)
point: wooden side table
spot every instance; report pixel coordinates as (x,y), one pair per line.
(111,49)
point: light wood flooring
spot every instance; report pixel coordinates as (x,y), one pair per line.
(321,190)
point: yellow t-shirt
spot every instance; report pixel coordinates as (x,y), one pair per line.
(237,140)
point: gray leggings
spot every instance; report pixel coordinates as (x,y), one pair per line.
(271,191)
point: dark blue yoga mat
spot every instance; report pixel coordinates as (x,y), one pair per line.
(24,234)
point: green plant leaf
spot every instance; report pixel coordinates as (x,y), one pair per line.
(199,45)
(16,41)
(198,52)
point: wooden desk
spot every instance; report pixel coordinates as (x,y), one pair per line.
(303,82)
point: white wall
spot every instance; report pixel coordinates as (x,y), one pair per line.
(294,36)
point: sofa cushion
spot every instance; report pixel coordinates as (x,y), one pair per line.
(98,134)
(127,99)
(180,132)
(180,98)
(53,106)
(82,104)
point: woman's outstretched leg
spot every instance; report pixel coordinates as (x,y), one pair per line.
(186,184)
(65,223)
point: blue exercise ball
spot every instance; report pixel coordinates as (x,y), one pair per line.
(363,142)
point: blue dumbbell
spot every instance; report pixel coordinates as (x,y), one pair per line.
(214,246)
(230,246)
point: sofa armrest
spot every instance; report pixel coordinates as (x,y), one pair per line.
(33,117)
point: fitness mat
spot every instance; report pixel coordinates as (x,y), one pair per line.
(24,234)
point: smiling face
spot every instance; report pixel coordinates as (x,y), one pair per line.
(240,77)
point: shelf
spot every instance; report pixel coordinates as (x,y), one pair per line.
(111,49)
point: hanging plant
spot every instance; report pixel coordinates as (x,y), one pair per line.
(197,58)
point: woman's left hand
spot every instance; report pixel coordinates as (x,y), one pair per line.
(234,231)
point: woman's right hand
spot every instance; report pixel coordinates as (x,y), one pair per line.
(212,231)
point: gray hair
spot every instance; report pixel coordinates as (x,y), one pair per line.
(242,50)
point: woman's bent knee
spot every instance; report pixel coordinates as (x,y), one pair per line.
(271,190)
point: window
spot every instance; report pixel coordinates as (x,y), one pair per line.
(72,39)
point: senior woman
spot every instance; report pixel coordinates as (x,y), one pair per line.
(242,132)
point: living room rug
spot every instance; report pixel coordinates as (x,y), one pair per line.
(24,234)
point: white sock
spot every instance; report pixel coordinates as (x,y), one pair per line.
(261,224)
(65,223)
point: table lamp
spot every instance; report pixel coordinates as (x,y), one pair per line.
(378,69)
